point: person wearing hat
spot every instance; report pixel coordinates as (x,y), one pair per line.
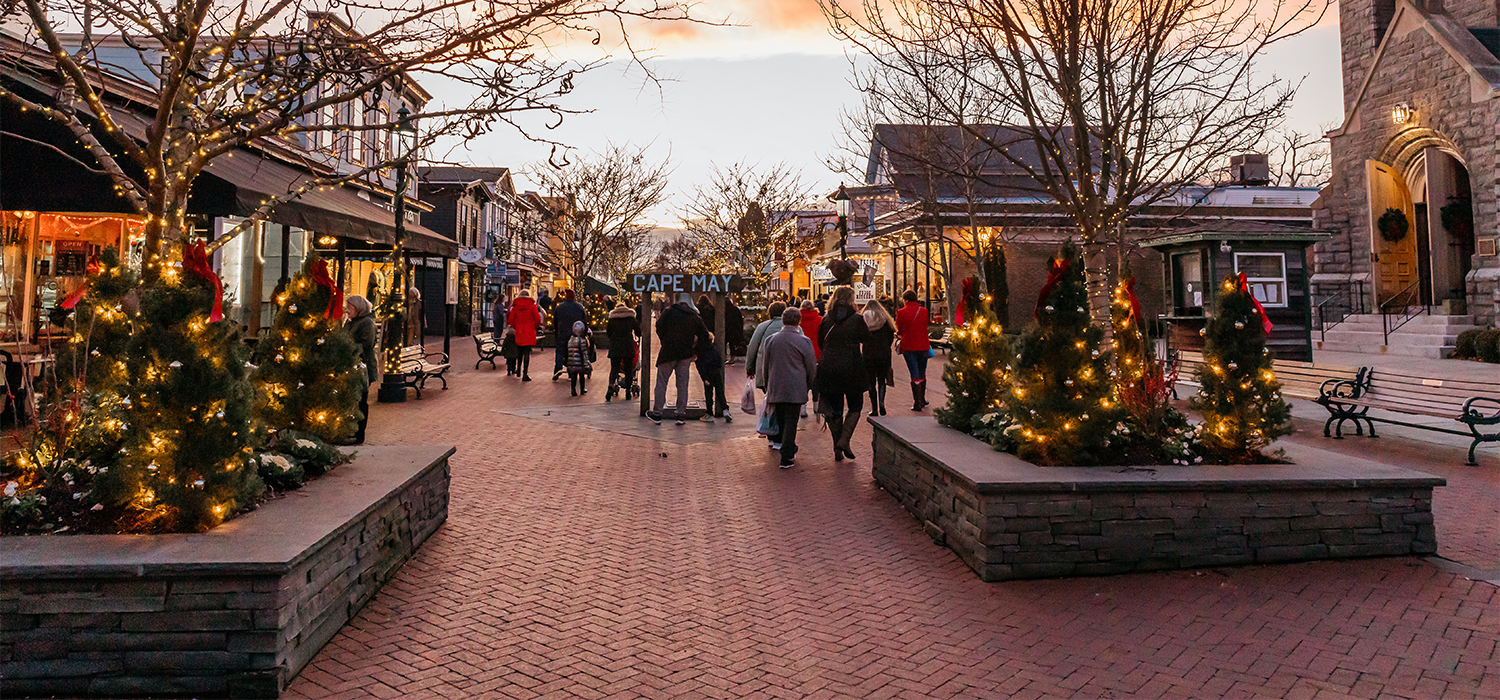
(679,330)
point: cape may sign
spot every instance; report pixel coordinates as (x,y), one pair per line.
(674,282)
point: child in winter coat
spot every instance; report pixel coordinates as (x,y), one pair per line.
(580,358)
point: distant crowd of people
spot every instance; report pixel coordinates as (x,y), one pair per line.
(826,350)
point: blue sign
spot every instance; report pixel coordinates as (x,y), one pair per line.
(512,276)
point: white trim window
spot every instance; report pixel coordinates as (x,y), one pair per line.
(1265,275)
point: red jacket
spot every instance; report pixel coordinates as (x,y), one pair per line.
(911,323)
(526,318)
(810,322)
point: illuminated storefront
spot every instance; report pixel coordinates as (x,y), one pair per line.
(44,257)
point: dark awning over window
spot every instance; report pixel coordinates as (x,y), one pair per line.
(333,211)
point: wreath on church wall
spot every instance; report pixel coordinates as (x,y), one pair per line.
(1393,225)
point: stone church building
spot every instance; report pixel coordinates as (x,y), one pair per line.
(1412,207)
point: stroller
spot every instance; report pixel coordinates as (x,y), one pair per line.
(629,382)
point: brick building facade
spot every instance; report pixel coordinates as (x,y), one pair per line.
(1422,119)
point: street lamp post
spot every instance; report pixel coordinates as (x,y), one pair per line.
(841,205)
(393,387)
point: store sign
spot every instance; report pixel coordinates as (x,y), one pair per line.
(819,272)
(676,282)
(863,293)
(470,256)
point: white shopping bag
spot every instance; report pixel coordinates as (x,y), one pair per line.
(747,399)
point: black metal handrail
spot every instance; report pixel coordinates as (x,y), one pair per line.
(1339,306)
(1392,319)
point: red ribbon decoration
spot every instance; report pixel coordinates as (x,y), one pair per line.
(1059,268)
(1135,304)
(77,294)
(195,261)
(335,293)
(1265,321)
(964,298)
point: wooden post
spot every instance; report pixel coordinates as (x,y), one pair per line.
(719,327)
(646,331)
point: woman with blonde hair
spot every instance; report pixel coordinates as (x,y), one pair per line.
(877,352)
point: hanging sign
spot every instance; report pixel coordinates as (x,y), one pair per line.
(676,282)
(863,293)
(452,279)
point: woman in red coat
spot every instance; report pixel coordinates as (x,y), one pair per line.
(811,319)
(526,318)
(911,324)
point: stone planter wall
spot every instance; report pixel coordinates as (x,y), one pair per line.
(1010,519)
(234,612)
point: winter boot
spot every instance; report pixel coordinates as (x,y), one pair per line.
(916,396)
(835,431)
(851,421)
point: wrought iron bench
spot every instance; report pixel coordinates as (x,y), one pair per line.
(1476,404)
(418,366)
(488,349)
(943,342)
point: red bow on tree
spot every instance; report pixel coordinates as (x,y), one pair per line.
(195,262)
(1135,304)
(964,298)
(77,294)
(335,295)
(1059,268)
(1265,321)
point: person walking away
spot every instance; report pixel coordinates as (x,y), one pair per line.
(734,329)
(789,366)
(580,359)
(841,377)
(911,324)
(526,319)
(564,315)
(711,371)
(706,312)
(877,352)
(679,330)
(622,328)
(414,318)
(545,302)
(497,316)
(766,329)
(753,355)
(811,319)
(361,325)
(509,351)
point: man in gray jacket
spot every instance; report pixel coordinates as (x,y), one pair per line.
(789,366)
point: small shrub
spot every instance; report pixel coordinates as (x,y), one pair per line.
(1487,348)
(1467,345)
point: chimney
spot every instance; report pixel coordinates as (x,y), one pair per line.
(1250,169)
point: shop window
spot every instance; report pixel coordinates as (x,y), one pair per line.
(1265,275)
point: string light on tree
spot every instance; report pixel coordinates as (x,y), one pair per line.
(1240,399)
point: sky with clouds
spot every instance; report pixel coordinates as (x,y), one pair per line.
(768,88)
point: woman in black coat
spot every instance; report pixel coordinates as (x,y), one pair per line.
(622,328)
(842,378)
(878,353)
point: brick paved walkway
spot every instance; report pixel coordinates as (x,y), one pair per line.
(591,563)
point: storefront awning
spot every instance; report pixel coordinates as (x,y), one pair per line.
(331,211)
(592,285)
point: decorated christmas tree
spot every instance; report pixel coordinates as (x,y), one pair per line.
(1240,400)
(182,419)
(309,372)
(1061,401)
(975,373)
(1153,431)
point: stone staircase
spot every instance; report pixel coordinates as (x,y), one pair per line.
(1423,336)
